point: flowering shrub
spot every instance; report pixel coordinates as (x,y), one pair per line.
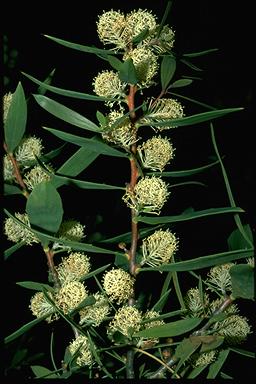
(123,324)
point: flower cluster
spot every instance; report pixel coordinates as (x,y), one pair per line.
(95,313)
(70,296)
(17,232)
(118,285)
(107,84)
(80,347)
(149,195)
(158,248)
(126,320)
(73,267)
(7,100)
(219,278)
(41,307)
(36,176)
(196,303)
(148,321)
(155,153)
(161,111)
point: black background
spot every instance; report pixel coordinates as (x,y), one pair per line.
(227,81)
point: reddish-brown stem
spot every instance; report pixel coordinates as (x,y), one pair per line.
(49,254)
(16,172)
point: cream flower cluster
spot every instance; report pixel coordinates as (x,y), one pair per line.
(196,305)
(41,307)
(126,320)
(158,248)
(148,321)
(219,279)
(115,28)
(149,195)
(7,100)
(118,285)
(81,348)
(161,111)
(108,84)
(73,267)
(123,134)
(17,232)
(156,153)
(70,296)
(25,153)
(36,176)
(95,313)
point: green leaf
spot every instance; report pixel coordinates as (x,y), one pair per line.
(174,328)
(167,70)
(8,252)
(65,92)
(210,342)
(164,18)
(43,373)
(65,114)
(158,306)
(127,72)
(203,261)
(94,273)
(216,366)
(79,47)
(23,329)
(181,83)
(44,207)
(10,189)
(200,53)
(190,65)
(101,118)
(92,144)
(141,36)
(115,62)
(58,180)
(243,352)
(193,119)
(196,371)
(186,172)
(78,162)
(188,216)
(41,90)
(16,120)
(242,281)
(236,239)
(185,349)
(126,237)
(34,285)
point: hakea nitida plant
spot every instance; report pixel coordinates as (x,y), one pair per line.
(118,334)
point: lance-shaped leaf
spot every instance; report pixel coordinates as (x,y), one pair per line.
(180,83)
(78,162)
(79,47)
(174,328)
(16,120)
(167,70)
(191,120)
(185,349)
(92,144)
(200,53)
(65,92)
(34,285)
(10,189)
(185,172)
(58,180)
(8,252)
(216,366)
(44,208)
(41,90)
(236,239)
(127,72)
(65,114)
(43,373)
(203,261)
(242,281)
(25,328)
(191,215)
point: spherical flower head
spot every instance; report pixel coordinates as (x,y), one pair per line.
(203,359)
(73,267)
(149,195)
(234,328)
(70,296)
(36,176)
(16,232)
(158,248)
(126,320)
(7,100)
(118,285)
(95,313)
(147,323)
(145,62)
(81,347)
(162,110)
(8,169)
(219,278)
(71,230)
(108,84)
(110,28)
(196,304)
(41,307)
(123,134)
(156,153)
(29,148)
(139,20)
